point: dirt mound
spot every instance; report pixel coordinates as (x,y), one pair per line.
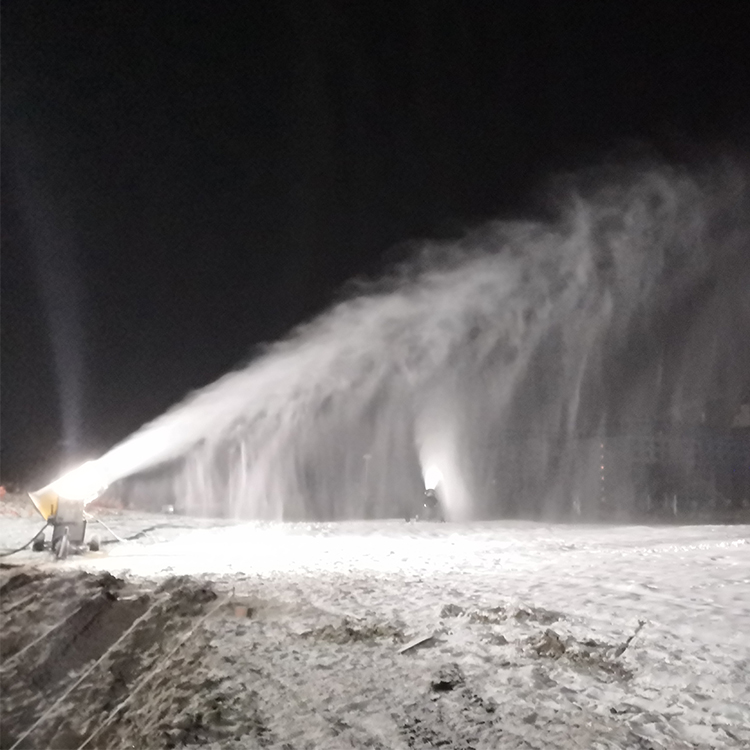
(78,650)
(503,613)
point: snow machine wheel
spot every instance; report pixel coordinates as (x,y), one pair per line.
(94,543)
(38,544)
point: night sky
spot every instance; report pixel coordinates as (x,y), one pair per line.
(182,182)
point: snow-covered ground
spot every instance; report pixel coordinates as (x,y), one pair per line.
(527,629)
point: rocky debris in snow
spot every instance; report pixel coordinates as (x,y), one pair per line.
(425,732)
(550,644)
(451,610)
(216,715)
(588,655)
(496,639)
(488,615)
(448,677)
(537,614)
(503,613)
(354,631)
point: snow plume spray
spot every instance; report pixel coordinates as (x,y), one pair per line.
(497,364)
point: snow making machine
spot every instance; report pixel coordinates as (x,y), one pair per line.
(67,518)
(68,522)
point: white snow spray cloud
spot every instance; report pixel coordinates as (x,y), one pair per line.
(499,359)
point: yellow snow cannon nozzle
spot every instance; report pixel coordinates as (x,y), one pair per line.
(82,485)
(45,501)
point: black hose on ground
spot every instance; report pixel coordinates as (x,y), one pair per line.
(31,541)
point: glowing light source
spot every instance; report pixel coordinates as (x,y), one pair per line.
(85,483)
(432,477)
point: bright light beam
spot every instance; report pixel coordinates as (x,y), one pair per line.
(432,477)
(85,483)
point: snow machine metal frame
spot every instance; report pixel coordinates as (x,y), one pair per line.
(430,508)
(68,522)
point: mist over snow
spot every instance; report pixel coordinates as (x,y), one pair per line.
(501,359)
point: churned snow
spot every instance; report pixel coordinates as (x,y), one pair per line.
(524,630)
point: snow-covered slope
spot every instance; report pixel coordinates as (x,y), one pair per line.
(527,623)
